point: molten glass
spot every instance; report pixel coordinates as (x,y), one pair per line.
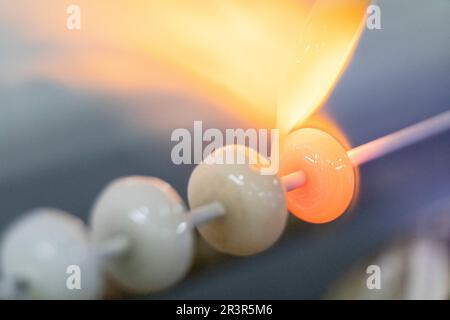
(330,178)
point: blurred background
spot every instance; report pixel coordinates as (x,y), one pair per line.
(79,108)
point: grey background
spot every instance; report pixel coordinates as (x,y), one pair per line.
(59,146)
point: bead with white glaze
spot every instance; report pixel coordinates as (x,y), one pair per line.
(48,250)
(149,213)
(255,206)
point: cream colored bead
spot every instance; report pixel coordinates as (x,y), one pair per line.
(150,214)
(48,250)
(255,204)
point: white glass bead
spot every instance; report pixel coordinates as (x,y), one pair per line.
(151,215)
(255,204)
(46,249)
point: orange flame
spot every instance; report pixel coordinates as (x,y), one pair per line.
(234,52)
(329,38)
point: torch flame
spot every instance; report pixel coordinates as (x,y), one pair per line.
(233,52)
(329,39)
(236,53)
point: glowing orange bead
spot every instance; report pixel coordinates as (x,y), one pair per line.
(330,179)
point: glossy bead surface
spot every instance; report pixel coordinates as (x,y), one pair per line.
(330,178)
(150,214)
(255,204)
(45,249)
